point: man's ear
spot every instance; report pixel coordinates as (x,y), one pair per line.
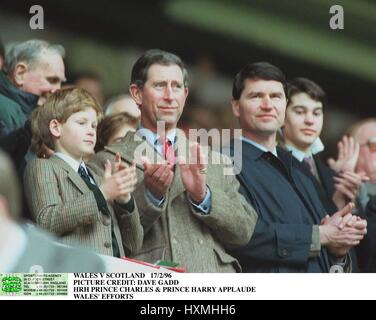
(136,93)
(284,120)
(235,107)
(55,128)
(186,92)
(19,74)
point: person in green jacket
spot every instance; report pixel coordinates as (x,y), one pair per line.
(32,70)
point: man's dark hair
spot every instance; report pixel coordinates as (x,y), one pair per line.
(304,85)
(256,71)
(155,56)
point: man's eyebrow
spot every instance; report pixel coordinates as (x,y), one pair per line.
(255,92)
(299,107)
(163,82)
(279,93)
(83,118)
(57,78)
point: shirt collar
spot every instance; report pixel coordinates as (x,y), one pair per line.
(317,146)
(299,155)
(72,162)
(152,137)
(259,146)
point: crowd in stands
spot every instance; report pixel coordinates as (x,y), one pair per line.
(125,178)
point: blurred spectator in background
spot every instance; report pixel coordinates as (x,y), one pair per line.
(2,54)
(123,103)
(33,69)
(91,82)
(113,128)
(364,133)
(208,87)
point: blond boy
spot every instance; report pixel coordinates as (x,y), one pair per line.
(98,213)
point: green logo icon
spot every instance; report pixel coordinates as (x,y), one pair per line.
(11,284)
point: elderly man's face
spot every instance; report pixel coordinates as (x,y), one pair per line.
(366,136)
(43,78)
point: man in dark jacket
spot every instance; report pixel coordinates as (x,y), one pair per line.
(2,54)
(291,234)
(302,127)
(32,70)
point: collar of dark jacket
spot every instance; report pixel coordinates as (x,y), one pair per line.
(255,153)
(286,156)
(26,100)
(252,152)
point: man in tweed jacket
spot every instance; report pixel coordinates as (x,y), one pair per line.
(190,211)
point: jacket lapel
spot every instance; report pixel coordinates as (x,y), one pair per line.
(181,149)
(71,174)
(326,175)
(177,186)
